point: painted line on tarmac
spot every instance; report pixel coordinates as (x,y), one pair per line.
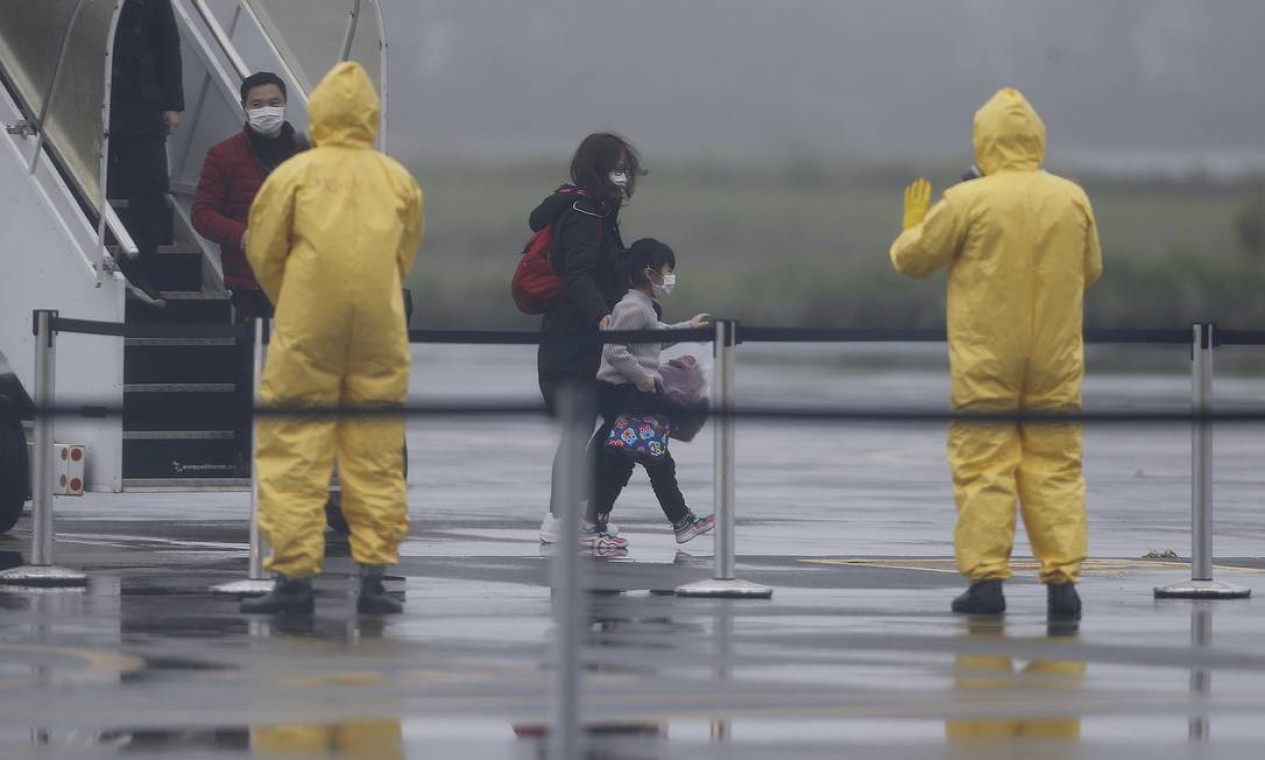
(92,661)
(1023,567)
(121,540)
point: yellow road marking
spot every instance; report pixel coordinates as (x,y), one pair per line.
(93,660)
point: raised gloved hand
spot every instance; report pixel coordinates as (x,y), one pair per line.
(917,203)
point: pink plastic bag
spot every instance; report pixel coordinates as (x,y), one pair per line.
(685,389)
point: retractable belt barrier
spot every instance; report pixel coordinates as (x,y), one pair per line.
(725,336)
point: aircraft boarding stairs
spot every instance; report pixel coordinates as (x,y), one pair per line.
(182,398)
(181,395)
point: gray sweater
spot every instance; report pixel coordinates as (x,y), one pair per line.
(624,363)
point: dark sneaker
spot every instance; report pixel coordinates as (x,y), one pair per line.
(692,525)
(374,599)
(139,284)
(289,596)
(1062,601)
(982,598)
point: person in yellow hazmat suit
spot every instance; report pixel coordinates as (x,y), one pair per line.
(333,233)
(1021,247)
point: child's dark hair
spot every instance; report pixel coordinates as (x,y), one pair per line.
(647,253)
(596,158)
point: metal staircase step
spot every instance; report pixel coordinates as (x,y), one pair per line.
(186,484)
(175,267)
(176,249)
(179,388)
(195,295)
(179,406)
(183,307)
(183,360)
(179,342)
(177,435)
(195,456)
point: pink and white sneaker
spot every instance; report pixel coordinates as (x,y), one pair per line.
(692,525)
(599,537)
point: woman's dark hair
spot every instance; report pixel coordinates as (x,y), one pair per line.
(259,79)
(647,253)
(596,158)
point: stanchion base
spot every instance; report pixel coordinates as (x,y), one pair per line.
(1202,590)
(42,575)
(248,587)
(725,589)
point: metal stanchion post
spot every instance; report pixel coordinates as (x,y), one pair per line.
(257,581)
(1201,585)
(41,571)
(723,583)
(568,601)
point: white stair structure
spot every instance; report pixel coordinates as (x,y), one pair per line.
(58,232)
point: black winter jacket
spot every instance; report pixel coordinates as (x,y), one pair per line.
(590,262)
(148,77)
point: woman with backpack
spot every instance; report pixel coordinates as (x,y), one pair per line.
(584,216)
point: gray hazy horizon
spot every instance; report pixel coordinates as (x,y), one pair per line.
(1133,84)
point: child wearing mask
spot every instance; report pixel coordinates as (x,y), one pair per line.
(629,380)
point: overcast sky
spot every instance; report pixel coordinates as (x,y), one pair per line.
(852,79)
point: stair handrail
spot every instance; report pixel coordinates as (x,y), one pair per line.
(286,69)
(351,31)
(35,126)
(42,116)
(221,38)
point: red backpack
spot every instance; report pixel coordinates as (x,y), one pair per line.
(536,285)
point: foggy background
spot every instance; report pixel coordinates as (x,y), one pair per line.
(780,133)
(1122,82)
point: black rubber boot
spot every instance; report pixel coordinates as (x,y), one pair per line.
(289,596)
(1062,601)
(982,598)
(374,599)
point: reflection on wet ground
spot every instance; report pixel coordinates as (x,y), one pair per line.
(855,655)
(848,657)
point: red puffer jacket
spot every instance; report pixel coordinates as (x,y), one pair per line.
(231,176)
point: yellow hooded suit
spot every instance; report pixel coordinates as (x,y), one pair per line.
(333,232)
(1022,247)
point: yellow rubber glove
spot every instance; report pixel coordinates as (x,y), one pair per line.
(917,203)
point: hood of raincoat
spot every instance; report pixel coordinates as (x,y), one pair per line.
(1009,135)
(344,109)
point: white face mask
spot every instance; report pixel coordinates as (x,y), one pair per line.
(619,178)
(267,120)
(665,289)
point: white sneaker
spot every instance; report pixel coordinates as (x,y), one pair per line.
(551,529)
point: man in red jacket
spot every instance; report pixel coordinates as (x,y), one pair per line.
(231,176)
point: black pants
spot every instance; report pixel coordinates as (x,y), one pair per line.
(613,470)
(138,175)
(248,305)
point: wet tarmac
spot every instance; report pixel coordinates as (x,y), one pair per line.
(856,654)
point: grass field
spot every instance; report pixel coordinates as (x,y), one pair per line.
(800,245)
